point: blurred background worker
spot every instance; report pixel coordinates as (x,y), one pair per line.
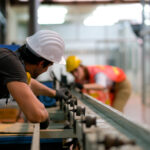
(108,84)
(18,70)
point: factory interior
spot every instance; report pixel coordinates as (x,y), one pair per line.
(110,33)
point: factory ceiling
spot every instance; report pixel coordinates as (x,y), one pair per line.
(22,2)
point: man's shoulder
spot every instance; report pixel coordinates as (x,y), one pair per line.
(11,68)
(6,52)
(9,58)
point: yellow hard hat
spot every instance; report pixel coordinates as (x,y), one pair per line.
(72,63)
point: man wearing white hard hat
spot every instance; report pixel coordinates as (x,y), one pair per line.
(18,70)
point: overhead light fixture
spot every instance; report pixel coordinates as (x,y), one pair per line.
(147,22)
(23,0)
(80,0)
(147,15)
(51,14)
(110,14)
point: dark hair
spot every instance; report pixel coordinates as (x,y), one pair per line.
(27,56)
(87,76)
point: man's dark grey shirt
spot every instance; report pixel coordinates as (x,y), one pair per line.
(11,69)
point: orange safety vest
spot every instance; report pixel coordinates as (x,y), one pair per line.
(113,73)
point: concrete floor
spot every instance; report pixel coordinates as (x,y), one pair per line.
(136,111)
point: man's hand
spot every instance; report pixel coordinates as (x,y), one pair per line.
(63,93)
(44,124)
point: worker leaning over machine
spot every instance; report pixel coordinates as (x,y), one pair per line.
(108,84)
(19,69)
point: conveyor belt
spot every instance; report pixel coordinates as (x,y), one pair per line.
(133,130)
(90,123)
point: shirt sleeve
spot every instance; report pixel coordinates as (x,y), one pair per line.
(103,80)
(11,69)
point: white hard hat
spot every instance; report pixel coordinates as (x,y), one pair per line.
(47,44)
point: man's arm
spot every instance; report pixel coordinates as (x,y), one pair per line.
(102,82)
(33,109)
(88,86)
(40,89)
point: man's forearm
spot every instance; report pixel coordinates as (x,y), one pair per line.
(33,109)
(40,89)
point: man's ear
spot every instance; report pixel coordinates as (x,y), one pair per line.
(41,63)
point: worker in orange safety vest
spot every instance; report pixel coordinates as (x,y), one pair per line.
(108,84)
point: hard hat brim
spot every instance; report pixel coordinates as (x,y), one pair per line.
(48,45)
(62,61)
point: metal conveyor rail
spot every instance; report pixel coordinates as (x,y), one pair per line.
(128,127)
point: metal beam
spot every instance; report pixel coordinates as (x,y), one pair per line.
(57,133)
(36,138)
(76,2)
(33,24)
(2,21)
(143,55)
(131,129)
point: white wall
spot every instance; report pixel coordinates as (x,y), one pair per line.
(94,45)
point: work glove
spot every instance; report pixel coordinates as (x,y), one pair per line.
(79,86)
(63,93)
(75,85)
(44,124)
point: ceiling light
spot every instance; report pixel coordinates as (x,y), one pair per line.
(79,0)
(147,22)
(51,14)
(111,14)
(23,0)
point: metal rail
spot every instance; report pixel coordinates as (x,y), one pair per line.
(36,138)
(131,129)
(87,132)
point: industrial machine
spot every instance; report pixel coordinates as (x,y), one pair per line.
(83,123)
(80,123)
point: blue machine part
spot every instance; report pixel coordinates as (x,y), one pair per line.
(25,140)
(47,101)
(11,47)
